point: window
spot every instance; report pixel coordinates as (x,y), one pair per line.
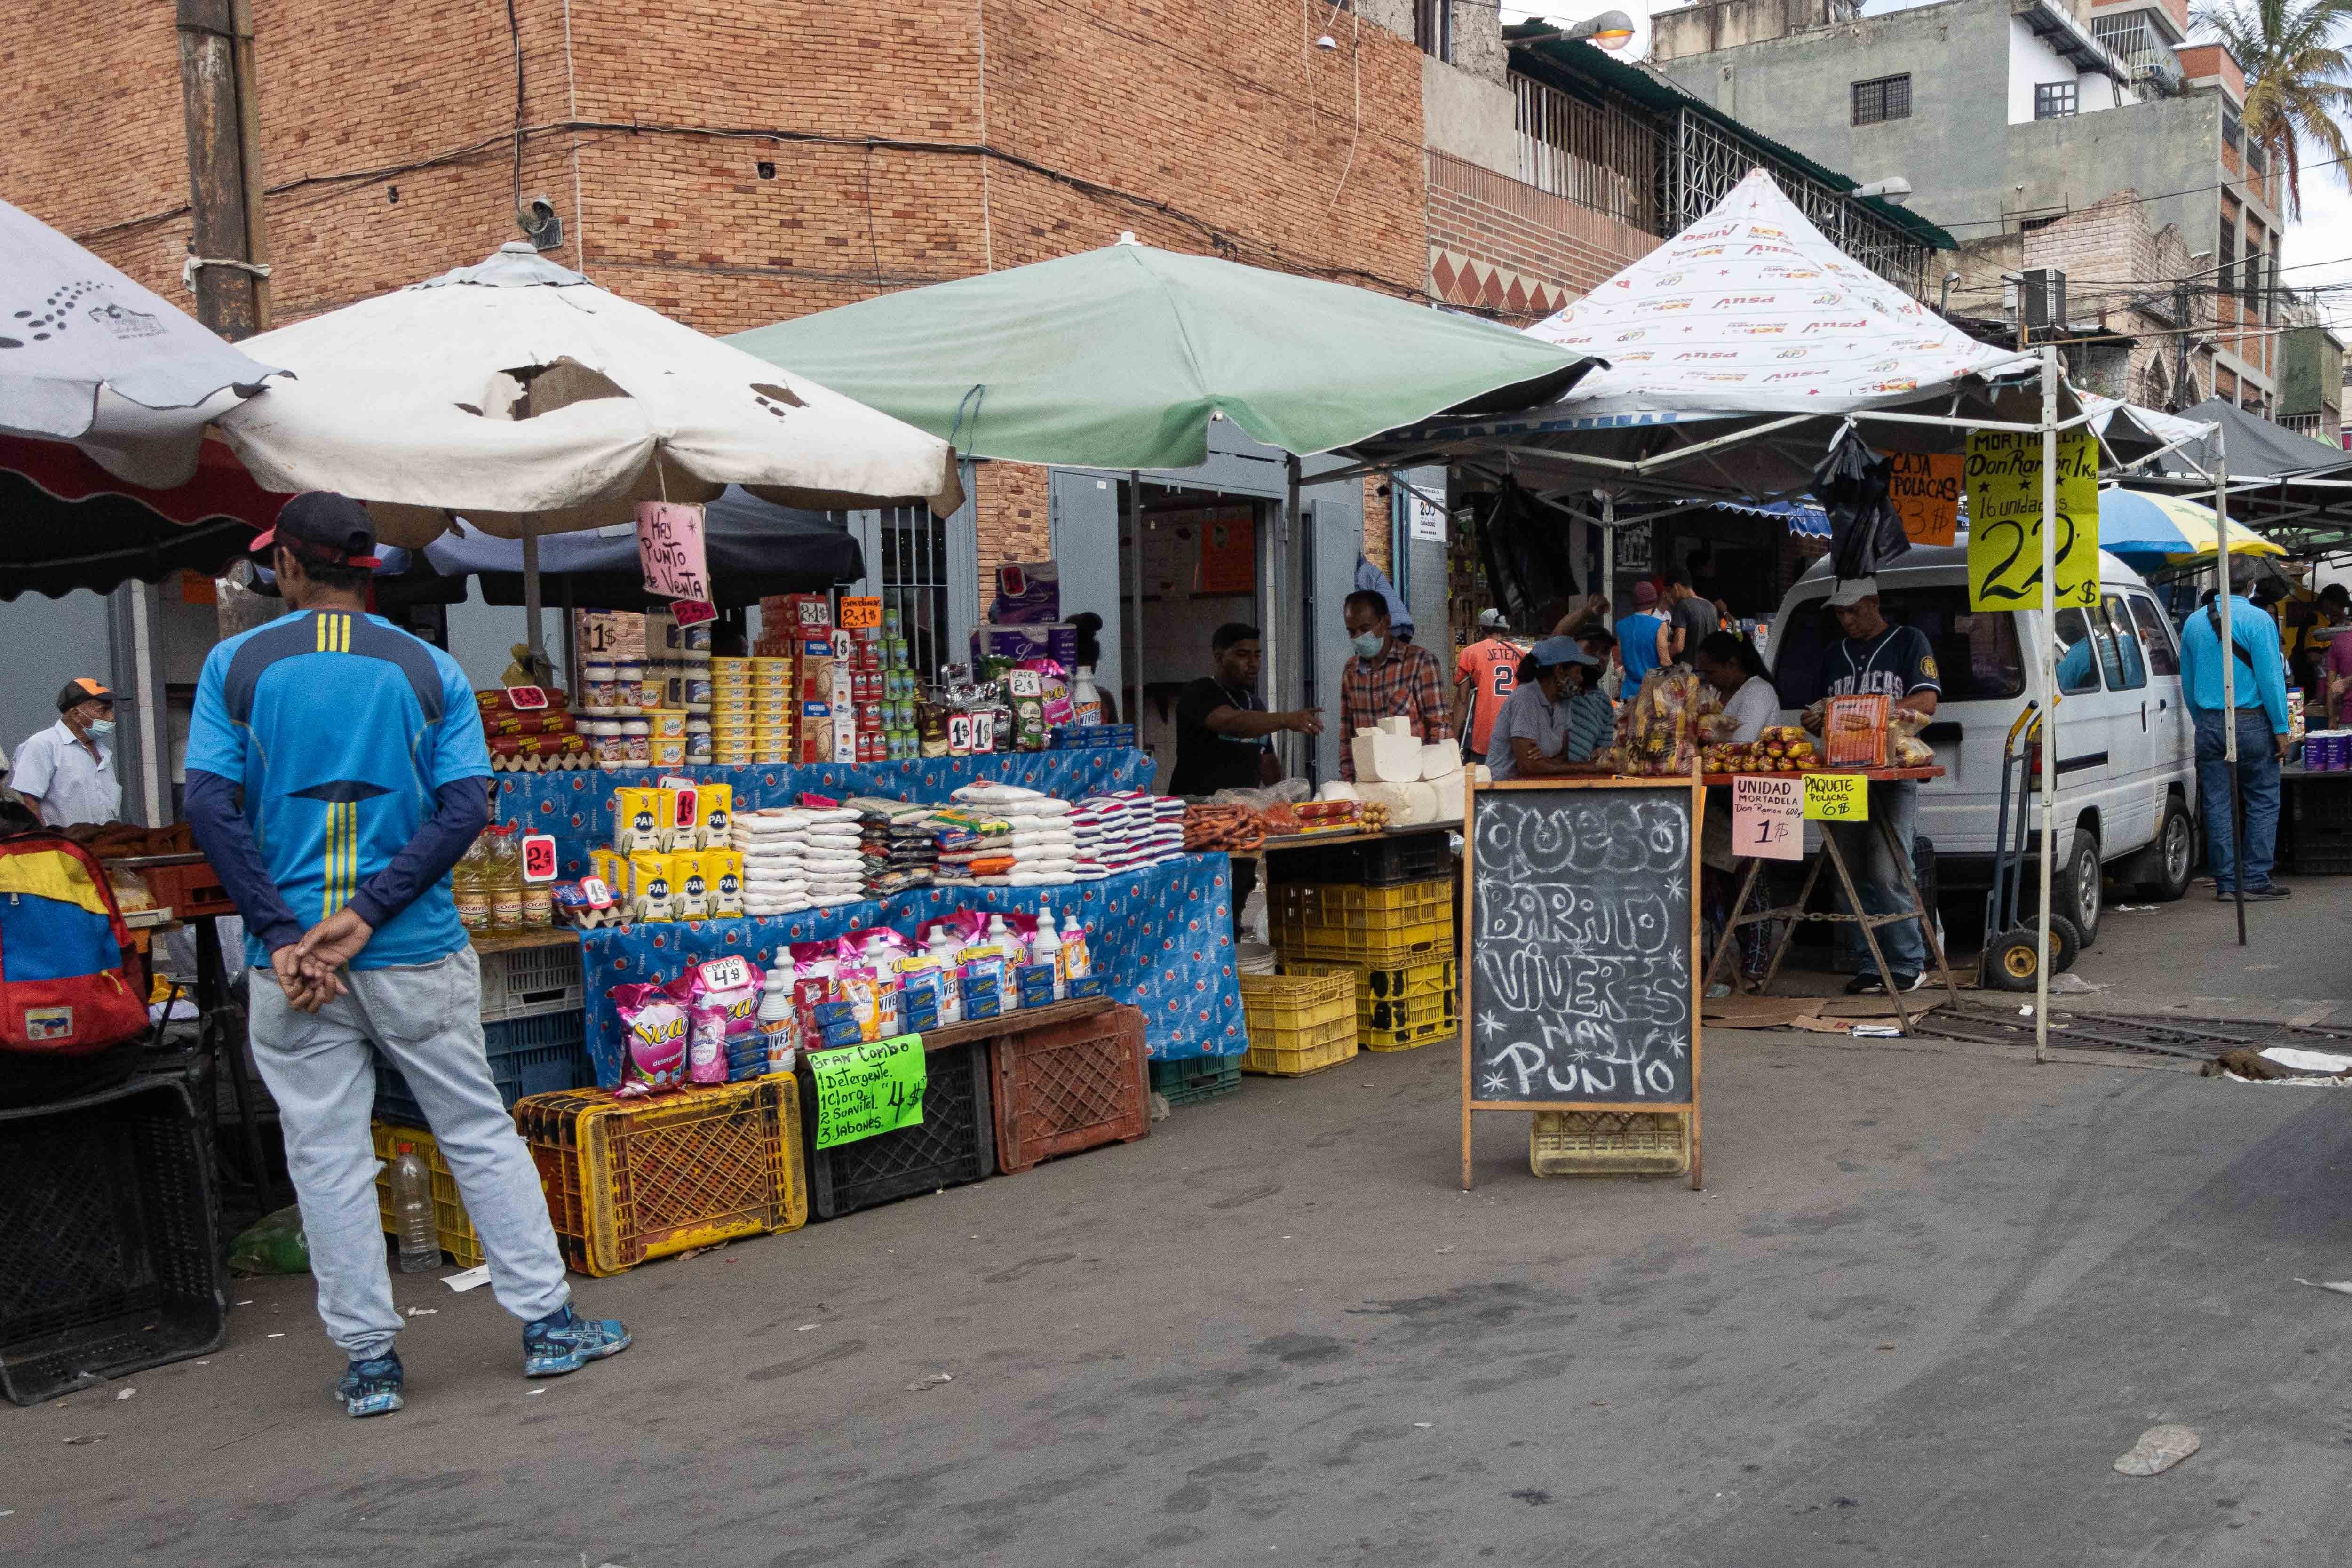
(1432,29)
(2249,281)
(2232,133)
(1977,653)
(2156,636)
(2120,648)
(2056,99)
(2228,268)
(2080,654)
(1882,98)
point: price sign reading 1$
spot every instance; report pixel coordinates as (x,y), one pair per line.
(859,612)
(1837,797)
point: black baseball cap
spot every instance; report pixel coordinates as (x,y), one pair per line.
(319,525)
(81,688)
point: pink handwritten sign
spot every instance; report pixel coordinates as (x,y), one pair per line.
(671,549)
(1768,817)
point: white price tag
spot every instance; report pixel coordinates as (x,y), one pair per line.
(730,973)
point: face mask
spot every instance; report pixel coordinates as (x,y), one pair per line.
(1368,646)
(99,728)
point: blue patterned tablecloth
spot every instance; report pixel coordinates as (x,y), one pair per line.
(577,807)
(1164,938)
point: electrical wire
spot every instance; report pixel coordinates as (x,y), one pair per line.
(521,115)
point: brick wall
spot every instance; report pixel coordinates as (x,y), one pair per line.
(388,143)
(1503,244)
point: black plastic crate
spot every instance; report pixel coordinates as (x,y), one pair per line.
(955,1144)
(2323,803)
(544,1055)
(111,1258)
(1369,862)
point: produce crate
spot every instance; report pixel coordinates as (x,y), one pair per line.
(527,982)
(1400,1008)
(1077,1084)
(190,892)
(628,1180)
(1608,1143)
(1371,862)
(456,1229)
(111,1255)
(528,1055)
(1195,1079)
(1298,1024)
(955,1143)
(1383,928)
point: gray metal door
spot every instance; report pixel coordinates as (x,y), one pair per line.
(1334,541)
(1084,511)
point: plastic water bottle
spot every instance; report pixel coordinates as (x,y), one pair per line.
(411,1211)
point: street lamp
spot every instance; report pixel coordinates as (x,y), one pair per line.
(1894,190)
(1613,30)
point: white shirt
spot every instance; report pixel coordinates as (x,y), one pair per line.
(1753,707)
(55,768)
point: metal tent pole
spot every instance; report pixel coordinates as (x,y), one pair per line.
(1609,556)
(2049,687)
(532,596)
(2229,672)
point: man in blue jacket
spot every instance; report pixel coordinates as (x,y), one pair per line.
(337,770)
(2262,724)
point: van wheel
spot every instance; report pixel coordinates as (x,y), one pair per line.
(2077,895)
(2173,856)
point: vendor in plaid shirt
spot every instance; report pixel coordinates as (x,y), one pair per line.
(1387,678)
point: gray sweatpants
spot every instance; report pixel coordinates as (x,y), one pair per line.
(427,1020)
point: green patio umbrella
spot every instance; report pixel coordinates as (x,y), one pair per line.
(1116,358)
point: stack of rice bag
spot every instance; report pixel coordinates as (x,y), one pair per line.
(896,844)
(796,859)
(1043,846)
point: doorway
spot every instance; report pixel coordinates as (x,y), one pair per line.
(1189,563)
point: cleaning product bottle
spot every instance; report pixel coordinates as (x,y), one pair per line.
(1001,941)
(1086,700)
(506,879)
(1047,949)
(471,888)
(412,1210)
(943,953)
(779,1020)
(1078,960)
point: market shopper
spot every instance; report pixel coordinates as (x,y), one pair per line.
(1880,658)
(1387,677)
(1602,644)
(359,755)
(2262,727)
(1691,618)
(65,772)
(1646,639)
(1556,718)
(1732,665)
(1482,683)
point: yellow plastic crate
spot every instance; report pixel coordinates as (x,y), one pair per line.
(1375,927)
(1608,1143)
(457,1237)
(631,1180)
(1400,1007)
(1298,1024)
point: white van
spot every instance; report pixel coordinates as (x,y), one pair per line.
(2126,748)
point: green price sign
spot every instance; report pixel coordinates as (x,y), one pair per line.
(1837,797)
(865,1090)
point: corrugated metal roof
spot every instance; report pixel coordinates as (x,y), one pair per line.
(1548,60)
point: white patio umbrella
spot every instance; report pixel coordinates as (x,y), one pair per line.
(523,395)
(90,357)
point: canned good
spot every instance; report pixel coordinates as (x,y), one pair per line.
(699,748)
(637,738)
(696,638)
(598,678)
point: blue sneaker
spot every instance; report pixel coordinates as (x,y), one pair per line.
(372,1387)
(566,1342)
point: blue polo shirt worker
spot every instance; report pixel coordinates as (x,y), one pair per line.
(2262,728)
(1878,657)
(336,770)
(1556,720)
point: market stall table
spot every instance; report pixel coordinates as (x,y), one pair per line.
(1869,923)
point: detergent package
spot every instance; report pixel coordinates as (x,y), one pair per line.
(653,1032)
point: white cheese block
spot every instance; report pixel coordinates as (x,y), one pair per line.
(1384,758)
(1441,761)
(1398,725)
(1337,789)
(1449,792)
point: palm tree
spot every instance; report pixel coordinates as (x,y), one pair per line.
(2297,80)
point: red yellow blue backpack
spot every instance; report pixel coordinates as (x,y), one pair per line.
(65,988)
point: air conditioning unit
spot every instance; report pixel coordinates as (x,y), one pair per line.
(2042,299)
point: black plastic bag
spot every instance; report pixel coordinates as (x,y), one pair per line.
(1525,547)
(1865,532)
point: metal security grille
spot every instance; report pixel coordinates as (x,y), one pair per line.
(911,576)
(1710,161)
(1881,99)
(1596,155)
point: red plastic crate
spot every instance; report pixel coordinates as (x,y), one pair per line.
(1073,1085)
(190,892)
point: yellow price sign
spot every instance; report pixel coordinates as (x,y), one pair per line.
(859,612)
(1837,797)
(2004,490)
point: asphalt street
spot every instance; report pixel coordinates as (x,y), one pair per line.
(1931,1292)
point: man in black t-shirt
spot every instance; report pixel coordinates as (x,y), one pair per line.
(1879,658)
(1222,730)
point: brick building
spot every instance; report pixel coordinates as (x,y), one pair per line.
(732,164)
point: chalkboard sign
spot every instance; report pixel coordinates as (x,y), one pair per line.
(1582,939)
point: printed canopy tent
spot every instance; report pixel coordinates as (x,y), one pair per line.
(1117,358)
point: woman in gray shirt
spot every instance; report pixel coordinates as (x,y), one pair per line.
(1555,721)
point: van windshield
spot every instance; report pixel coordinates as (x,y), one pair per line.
(1976,655)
